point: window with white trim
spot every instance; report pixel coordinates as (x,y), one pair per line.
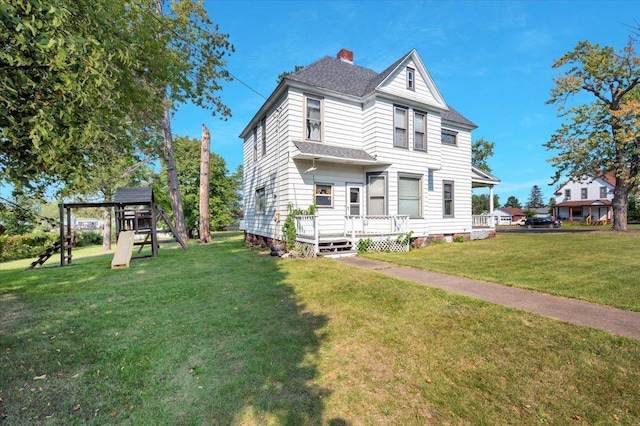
(313,119)
(447,199)
(400,127)
(584,193)
(324,195)
(261,200)
(419,131)
(567,194)
(411,78)
(410,195)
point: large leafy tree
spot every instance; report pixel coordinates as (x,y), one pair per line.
(79,75)
(481,151)
(480,203)
(602,134)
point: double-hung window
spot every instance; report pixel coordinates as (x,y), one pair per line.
(255,144)
(583,193)
(567,194)
(400,125)
(313,118)
(447,199)
(419,131)
(261,200)
(376,195)
(324,195)
(263,126)
(410,195)
(603,192)
(411,79)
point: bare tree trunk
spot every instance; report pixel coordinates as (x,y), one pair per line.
(106,229)
(205,233)
(170,163)
(620,203)
(172,178)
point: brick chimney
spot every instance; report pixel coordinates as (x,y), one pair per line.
(346,55)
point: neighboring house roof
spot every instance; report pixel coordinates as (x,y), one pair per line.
(513,211)
(583,203)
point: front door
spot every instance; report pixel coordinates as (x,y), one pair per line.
(354,199)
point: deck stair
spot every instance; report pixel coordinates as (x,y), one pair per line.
(336,247)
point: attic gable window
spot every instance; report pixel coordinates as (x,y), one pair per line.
(411,79)
(313,118)
(603,192)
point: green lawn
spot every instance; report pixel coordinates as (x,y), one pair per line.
(601,267)
(226,335)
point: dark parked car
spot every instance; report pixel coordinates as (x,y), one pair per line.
(542,222)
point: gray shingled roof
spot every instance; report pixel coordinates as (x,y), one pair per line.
(335,74)
(324,150)
(349,79)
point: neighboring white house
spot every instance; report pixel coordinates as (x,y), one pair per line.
(380,155)
(586,199)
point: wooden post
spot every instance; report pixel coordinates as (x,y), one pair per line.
(205,233)
(61,205)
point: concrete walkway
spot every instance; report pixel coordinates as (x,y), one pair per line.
(616,321)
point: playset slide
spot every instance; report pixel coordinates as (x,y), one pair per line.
(124,249)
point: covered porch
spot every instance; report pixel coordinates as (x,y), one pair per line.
(483,225)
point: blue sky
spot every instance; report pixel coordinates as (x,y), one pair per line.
(491,61)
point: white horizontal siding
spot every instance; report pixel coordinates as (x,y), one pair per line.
(396,85)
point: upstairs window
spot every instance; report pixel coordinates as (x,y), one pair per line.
(400,124)
(603,192)
(447,199)
(449,137)
(263,126)
(411,79)
(567,194)
(324,195)
(419,131)
(313,119)
(583,193)
(255,144)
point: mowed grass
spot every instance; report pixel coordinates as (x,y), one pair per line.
(601,266)
(230,336)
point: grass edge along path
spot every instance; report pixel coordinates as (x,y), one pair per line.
(599,267)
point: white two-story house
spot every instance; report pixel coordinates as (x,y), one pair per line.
(587,199)
(379,155)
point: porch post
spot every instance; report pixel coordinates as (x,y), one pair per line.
(491,219)
(316,234)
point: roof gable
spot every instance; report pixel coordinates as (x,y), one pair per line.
(422,76)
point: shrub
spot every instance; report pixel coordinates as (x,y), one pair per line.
(88,238)
(24,246)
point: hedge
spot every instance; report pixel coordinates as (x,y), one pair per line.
(32,245)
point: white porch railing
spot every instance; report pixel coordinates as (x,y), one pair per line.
(375,225)
(307,227)
(482,221)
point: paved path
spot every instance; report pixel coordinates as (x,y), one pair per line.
(616,321)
